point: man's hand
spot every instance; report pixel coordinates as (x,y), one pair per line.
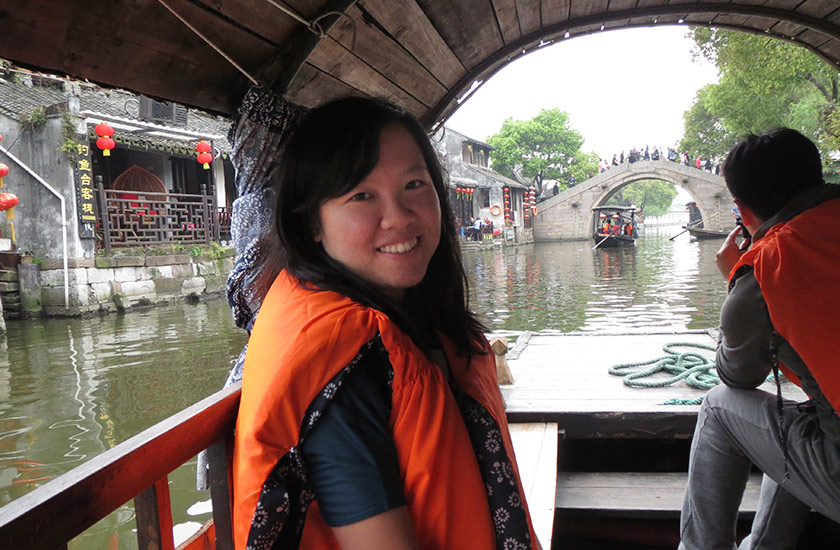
(730,252)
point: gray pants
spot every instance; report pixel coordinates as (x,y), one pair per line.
(737,428)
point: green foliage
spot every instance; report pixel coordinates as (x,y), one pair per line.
(764,83)
(33,120)
(705,134)
(70,145)
(652,197)
(545,147)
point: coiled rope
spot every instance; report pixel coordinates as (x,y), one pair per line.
(696,369)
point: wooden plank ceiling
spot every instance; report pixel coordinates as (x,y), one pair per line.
(422,54)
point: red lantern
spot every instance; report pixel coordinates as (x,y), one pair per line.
(4,171)
(8,200)
(105,143)
(205,159)
(204,156)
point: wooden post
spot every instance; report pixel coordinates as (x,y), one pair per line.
(218,458)
(154,517)
(206,211)
(103,215)
(499,345)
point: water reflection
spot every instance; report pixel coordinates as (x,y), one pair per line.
(72,388)
(569,287)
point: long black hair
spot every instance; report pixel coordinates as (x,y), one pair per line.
(332,150)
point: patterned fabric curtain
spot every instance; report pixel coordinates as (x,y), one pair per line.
(258,132)
(264,120)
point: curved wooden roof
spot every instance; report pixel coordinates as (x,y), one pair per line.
(423,54)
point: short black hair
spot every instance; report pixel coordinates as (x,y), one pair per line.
(332,150)
(766,171)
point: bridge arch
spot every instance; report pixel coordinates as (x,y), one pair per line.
(569,216)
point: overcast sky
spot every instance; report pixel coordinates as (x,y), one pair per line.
(621,89)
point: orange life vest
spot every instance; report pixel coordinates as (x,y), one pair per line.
(795,264)
(300,341)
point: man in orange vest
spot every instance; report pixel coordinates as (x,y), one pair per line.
(780,314)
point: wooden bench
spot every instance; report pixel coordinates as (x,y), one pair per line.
(654,495)
(535,445)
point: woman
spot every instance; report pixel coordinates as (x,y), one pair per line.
(370,412)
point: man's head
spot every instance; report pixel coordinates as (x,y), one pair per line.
(764,172)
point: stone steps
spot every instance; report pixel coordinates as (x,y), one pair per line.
(10,293)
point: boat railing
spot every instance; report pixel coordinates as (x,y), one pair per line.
(55,513)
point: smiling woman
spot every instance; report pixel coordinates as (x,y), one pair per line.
(377,416)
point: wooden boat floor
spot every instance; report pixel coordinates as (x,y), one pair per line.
(563,378)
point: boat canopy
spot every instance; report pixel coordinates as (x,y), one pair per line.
(426,55)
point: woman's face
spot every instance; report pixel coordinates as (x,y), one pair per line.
(386,229)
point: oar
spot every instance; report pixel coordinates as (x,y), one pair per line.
(678,234)
(601,241)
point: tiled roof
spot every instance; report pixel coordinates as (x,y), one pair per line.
(487,172)
(17,100)
(20,95)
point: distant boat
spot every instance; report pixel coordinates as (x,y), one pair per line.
(614,226)
(700,233)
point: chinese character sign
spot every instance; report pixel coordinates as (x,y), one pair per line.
(85,192)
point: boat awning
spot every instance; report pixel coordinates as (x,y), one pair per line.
(426,55)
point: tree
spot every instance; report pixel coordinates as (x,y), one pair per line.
(652,197)
(705,134)
(543,148)
(764,83)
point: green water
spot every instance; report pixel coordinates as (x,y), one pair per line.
(72,388)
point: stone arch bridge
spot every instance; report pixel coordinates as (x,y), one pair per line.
(568,216)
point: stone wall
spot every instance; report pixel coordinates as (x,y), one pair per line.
(120,283)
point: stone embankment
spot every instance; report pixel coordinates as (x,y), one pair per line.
(119,283)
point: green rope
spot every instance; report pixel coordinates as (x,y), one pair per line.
(696,369)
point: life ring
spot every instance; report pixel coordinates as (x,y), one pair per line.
(495,209)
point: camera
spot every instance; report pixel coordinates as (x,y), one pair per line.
(744,231)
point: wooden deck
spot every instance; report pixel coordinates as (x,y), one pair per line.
(563,378)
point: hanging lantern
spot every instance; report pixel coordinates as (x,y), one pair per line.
(105,143)
(8,200)
(4,171)
(602,216)
(204,156)
(205,159)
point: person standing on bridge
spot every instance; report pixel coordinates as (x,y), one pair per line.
(780,314)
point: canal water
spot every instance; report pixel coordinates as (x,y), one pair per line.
(73,388)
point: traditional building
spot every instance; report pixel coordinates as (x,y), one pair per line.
(477,191)
(49,143)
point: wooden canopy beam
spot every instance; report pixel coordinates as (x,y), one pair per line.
(492,64)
